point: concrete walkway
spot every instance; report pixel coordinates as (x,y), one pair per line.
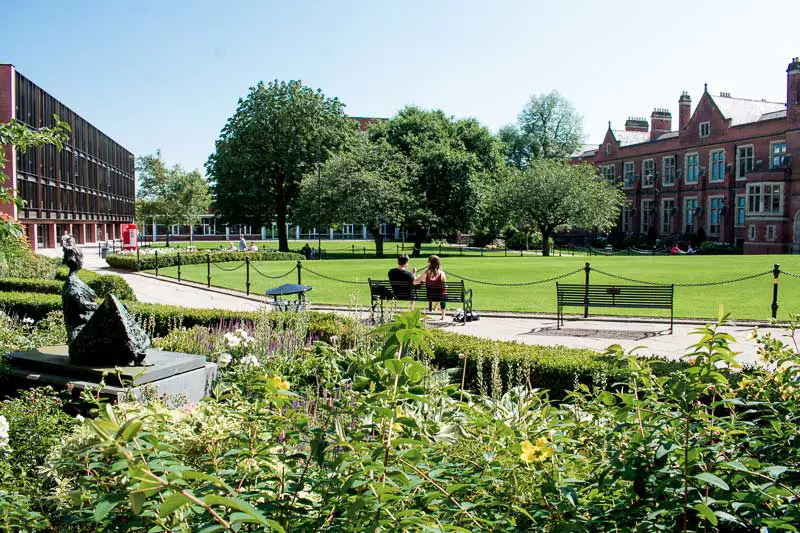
(597,334)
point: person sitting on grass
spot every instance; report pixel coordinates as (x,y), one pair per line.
(252,247)
(676,250)
(402,280)
(307,251)
(242,244)
(434,279)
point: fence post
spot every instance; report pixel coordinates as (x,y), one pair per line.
(179,267)
(460,250)
(587,269)
(247,274)
(776,270)
(299,272)
(99,253)
(365,252)
(505,251)
(156,263)
(353,246)
(481,251)
(208,270)
(138,260)
(654,249)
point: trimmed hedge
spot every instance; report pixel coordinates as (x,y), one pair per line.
(101,284)
(148,261)
(43,286)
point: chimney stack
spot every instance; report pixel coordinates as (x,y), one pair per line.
(684,110)
(636,124)
(660,122)
(793,91)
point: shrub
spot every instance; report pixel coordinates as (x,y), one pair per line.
(46,286)
(18,261)
(101,284)
(148,261)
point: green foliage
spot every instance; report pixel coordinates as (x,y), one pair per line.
(18,333)
(102,284)
(46,286)
(148,261)
(18,261)
(274,138)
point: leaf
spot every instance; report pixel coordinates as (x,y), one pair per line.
(239,505)
(137,501)
(775,470)
(703,510)
(415,371)
(129,430)
(104,507)
(394,366)
(710,478)
(172,503)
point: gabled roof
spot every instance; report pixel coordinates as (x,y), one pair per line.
(774,114)
(744,111)
(627,138)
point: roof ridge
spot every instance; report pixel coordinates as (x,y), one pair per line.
(761,100)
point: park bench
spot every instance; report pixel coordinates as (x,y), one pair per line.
(614,296)
(448,291)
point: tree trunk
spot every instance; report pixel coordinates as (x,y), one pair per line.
(546,242)
(378,238)
(417,243)
(283,237)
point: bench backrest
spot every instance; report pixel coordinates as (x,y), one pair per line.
(448,291)
(652,296)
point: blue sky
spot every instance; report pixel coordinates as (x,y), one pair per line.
(167,74)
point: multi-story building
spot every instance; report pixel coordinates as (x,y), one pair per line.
(87,188)
(726,171)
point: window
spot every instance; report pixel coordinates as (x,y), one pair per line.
(668,165)
(627,218)
(744,161)
(777,150)
(715,215)
(648,173)
(692,170)
(705,129)
(765,199)
(628,175)
(689,207)
(646,220)
(609,172)
(348,229)
(770,234)
(716,160)
(751,232)
(608,148)
(667,212)
(741,208)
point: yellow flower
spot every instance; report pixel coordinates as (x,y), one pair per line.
(538,452)
(279,383)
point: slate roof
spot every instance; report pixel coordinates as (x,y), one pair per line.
(744,111)
(668,135)
(627,138)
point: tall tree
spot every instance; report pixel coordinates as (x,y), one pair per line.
(369,183)
(548,127)
(453,158)
(552,195)
(171,194)
(274,138)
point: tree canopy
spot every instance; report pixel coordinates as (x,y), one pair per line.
(551,195)
(272,140)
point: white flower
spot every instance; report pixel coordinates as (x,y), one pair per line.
(232,340)
(79,418)
(4,447)
(225,358)
(251,360)
(27,320)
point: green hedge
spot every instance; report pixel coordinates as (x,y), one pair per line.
(101,284)
(45,286)
(148,261)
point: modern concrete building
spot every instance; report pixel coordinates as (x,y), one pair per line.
(87,188)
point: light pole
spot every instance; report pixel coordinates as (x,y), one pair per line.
(319,204)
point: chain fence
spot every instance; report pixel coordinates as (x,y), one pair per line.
(700,284)
(255,268)
(216,265)
(517,284)
(331,278)
(790,274)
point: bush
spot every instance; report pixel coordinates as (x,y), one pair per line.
(148,261)
(45,286)
(101,284)
(18,261)
(718,248)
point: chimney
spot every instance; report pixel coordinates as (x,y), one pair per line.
(636,124)
(660,122)
(793,91)
(684,110)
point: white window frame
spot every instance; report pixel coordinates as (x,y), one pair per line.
(751,232)
(686,167)
(707,125)
(743,207)
(626,218)
(712,166)
(771,233)
(739,175)
(710,216)
(686,212)
(350,227)
(608,148)
(626,166)
(611,177)
(666,215)
(648,182)
(664,168)
(760,196)
(646,214)
(772,146)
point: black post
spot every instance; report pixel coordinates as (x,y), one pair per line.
(460,250)
(365,252)
(776,270)
(440,249)
(587,269)
(354,250)
(481,251)
(99,253)
(654,249)
(179,267)
(299,272)
(156,263)
(247,274)
(208,270)
(505,251)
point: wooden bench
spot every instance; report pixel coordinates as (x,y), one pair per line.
(615,296)
(448,291)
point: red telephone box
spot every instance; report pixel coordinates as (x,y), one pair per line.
(130,236)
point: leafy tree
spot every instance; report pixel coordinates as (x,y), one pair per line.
(268,145)
(173,195)
(368,184)
(455,161)
(548,127)
(550,195)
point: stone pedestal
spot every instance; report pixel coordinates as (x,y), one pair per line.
(176,376)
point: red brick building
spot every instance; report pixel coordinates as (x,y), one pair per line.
(87,188)
(727,169)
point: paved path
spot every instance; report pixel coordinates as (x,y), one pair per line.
(594,334)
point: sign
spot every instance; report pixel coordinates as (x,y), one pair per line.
(130,236)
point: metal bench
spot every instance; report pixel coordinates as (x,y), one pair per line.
(615,296)
(448,291)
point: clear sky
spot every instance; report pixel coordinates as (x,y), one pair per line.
(166,74)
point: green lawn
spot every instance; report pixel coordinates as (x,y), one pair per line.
(748,299)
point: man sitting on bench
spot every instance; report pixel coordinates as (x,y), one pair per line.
(402,280)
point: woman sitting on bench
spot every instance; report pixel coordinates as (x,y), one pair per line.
(434,279)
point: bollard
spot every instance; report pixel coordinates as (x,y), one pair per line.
(299,272)
(365,252)
(247,275)
(99,253)
(505,251)
(481,251)
(354,250)
(208,270)
(460,250)
(156,263)
(776,270)
(179,267)
(587,269)
(138,260)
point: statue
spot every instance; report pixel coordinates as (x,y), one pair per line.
(100,336)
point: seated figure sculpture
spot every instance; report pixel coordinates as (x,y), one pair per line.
(98,336)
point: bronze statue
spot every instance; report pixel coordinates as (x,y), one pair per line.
(100,336)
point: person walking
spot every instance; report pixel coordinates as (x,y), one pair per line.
(67,240)
(434,279)
(242,244)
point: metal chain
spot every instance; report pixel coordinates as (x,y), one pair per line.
(790,274)
(703,284)
(228,269)
(520,284)
(253,266)
(332,278)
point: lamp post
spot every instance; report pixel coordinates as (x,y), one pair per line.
(319,203)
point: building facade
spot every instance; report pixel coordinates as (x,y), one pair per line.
(726,171)
(87,188)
